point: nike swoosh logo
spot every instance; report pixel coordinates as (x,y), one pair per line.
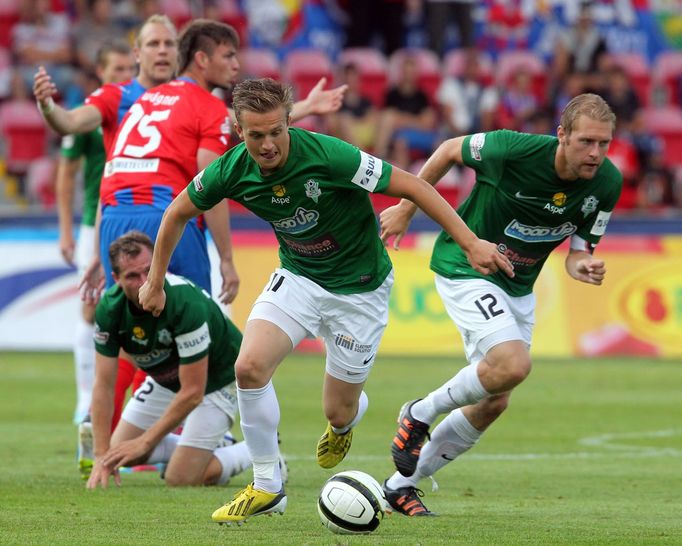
(446,457)
(519,195)
(249,197)
(367,360)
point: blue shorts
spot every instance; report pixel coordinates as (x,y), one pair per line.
(190,258)
(417,139)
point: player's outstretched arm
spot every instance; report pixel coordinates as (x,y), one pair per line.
(176,216)
(66,122)
(483,255)
(102,411)
(193,379)
(396,219)
(584,267)
(319,101)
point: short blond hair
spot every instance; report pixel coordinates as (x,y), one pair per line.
(156,19)
(261,96)
(587,104)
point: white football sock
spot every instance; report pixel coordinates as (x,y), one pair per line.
(453,436)
(234,459)
(259,411)
(84,360)
(462,390)
(363,403)
(164,449)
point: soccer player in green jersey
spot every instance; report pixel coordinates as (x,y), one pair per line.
(114,63)
(532,192)
(188,352)
(335,274)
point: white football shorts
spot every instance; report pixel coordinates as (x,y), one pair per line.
(351,325)
(485,314)
(204,427)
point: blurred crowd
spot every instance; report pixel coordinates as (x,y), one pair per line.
(417,72)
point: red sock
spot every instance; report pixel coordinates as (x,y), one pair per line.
(139,378)
(126,372)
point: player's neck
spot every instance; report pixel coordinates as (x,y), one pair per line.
(563,171)
(197,78)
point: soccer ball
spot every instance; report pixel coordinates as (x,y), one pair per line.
(351,503)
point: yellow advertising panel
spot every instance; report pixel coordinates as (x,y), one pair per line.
(638,310)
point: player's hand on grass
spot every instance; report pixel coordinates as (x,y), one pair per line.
(394,222)
(151,298)
(590,271)
(230,287)
(100,475)
(485,258)
(125,454)
(92,283)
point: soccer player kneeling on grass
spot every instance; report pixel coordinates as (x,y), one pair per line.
(188,352)
(335,274)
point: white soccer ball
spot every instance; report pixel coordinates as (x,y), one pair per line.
(351,503)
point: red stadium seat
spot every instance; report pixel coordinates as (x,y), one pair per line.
(259,63)
(510,62)
(666,122)
(429,65)
(179,11)
(5,73)
(24,134)
(638,70)
(668,73)
(304,67)
(9,15)
(373,67)
(455,60)
(228,11)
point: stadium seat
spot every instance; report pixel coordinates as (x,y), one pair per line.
(429,69)
(638,70)
(259,63)
(666,122)
(179,11)
(5,73)
(511,61)
(40,181)
(668,73)
(373,67)
(304,67)
(455,59)
(229,12)
(24,133)
(9,15)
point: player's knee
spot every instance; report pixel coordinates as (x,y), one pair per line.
(495,406)
(249,372)
(516,369)
(179,479)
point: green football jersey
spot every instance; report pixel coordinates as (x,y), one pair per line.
(90,146)
(190,327)
(520,204)
(317,203)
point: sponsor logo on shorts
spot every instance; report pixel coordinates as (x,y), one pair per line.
(539,234)
(347,342)
(320,246)
(301,221)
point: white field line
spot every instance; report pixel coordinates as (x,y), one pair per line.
(612,445)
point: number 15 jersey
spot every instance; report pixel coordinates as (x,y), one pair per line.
(154,152)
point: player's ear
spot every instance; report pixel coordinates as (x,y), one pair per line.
(239,130)
(561,134)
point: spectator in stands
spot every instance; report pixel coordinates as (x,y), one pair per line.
(381,19)
(95,27)
(518,103)
(440,14)
(356,121)
(43,38)
(579,49)
(407,123)
(620,94)
(468,105)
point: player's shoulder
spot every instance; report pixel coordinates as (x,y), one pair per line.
(609,173)
(112,302)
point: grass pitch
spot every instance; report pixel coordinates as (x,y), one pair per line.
(589,452)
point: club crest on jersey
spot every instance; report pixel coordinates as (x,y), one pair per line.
(165,337)
(589,205)
(312,189)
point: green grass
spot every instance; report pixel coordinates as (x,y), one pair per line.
(588,453)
